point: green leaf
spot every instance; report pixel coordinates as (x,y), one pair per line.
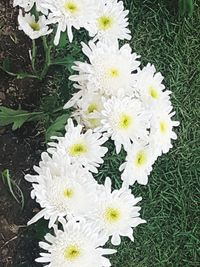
(17,117)
(65,61)
(63,39)
(57,127)
(14,189)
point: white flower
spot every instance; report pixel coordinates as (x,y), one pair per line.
(111,22)
(88,110)
(34,29)
(84,149)
(65,191)
(125,121)
(115,212)
(110,71)
(162,130)
(26,4)
(76,245)
(150,88)
(138,165)
(68,14)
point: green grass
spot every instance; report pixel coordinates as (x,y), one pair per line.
(170,200)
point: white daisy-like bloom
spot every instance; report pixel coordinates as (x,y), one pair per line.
(162,133)
(110,71)
(58,165)
(84,149)
(76,245)
(26,4)
(138,164)
(125,121)
(88,110)
(68,14)
(110,23)
(116,213)
(150,88)
(67,191)
(34,29)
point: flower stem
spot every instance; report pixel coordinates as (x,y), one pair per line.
(47,63)
(33,55)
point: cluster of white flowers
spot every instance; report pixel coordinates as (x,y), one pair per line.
(117,99)
(126,103)
(105,20)
(90,213)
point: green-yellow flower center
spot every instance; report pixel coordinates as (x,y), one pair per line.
(68,193)
(125,121)
(153,92)
(35,26)
(77,149)
(113,73)
(105,23)
(72,252)
(70,7)
(163,127)
(140,159)
(112,215)
(92,107)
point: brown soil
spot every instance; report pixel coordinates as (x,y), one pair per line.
(19,150)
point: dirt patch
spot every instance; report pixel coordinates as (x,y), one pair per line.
(19,150)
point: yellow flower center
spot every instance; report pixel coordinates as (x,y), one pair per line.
(71,253)
(163,127)
(105,23)
(113,73)
(112,215)
(68,193)
(71,7)
(140,159)
(77,149)
(92,107)
(35,26)
(153,92)
(94,122)
(125,121)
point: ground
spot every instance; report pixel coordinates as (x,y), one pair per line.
(170,201)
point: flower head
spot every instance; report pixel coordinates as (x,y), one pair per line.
(138,165)
(76,245)
(110,71)
(68,14)
(110,23)
(115,212)
(161,132)
(61,189)
(150,88)
(32,27)
(84,149)
(125,121)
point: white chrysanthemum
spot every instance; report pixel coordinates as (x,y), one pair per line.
(34,29)
(138,165)
(84,149)
(88,110)
(111,22)
(68,14)
(110,71)
(162,130)
(26,4)
(115,212)
(125,121)
(64,191)
(150,88)
(76,245)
